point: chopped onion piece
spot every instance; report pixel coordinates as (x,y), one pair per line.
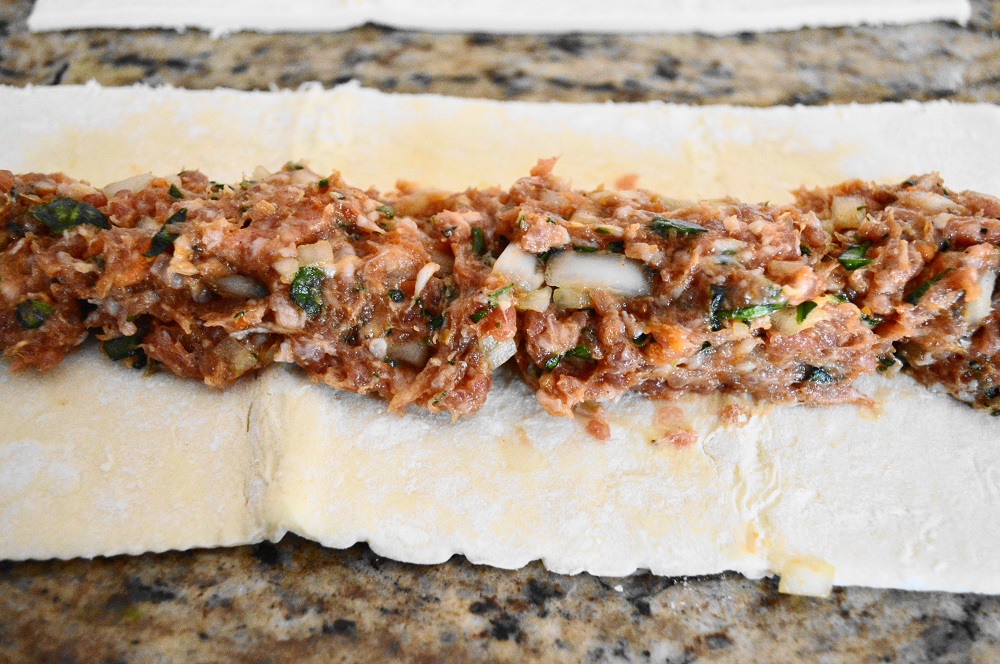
(319,253)
(806,575)
(411,352)
(497,352)
(848,212)
(536,300)
(378,347)
(571,298)
(423,276)
(599,271)
(786,321)
(240,286)
(134,184)
(237,357)
(287,268)
(978,309)
(520,267)
(261,173)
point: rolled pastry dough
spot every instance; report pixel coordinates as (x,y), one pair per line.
(706,16)
(96,459)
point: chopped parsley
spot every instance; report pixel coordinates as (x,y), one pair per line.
(871,320)
(552,362)
(718,294)
(492,301)
(175,191)
(386,211)
(744,314)
(493,298)
(31,314)
(435,322)
(307,290)
(128,347)
(584,250)
(580,352)
(819,375)
(641,340)
(922,289)
(323,184)
(165,237)
(62,214)
(478,240)
(396,295)
(854,256)
(803,310)
(665,226)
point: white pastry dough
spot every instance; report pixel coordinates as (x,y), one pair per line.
(95,459)
(707,16)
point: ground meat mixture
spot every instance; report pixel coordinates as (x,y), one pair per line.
(419,295)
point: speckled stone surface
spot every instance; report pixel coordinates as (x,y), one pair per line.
(296,601)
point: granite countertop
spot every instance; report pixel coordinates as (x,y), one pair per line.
(295,601)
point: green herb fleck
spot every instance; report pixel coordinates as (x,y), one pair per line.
(580,352)
(804,250)
(522,223)
(479,315)
(448,231)
(165,236)
(641,340)
(31,314)
(62,214)
(307,290)
(323,184)
(584,250)
(552,362)
(909,183)
(386,211)
(718,294)
(854,256)
(478,240)
(922,289)
(493,298)
(872,321)
(819,375)
(239,314)
(435,322)
(616,247)
(602,230)
(176,192)
(885,363)
(128,347)
(396,295)
(665,226)
(744,314)
(803,310)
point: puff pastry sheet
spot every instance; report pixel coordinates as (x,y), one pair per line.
(96,459)
(525,16)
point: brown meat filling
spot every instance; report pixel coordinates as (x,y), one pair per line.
(413,296)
